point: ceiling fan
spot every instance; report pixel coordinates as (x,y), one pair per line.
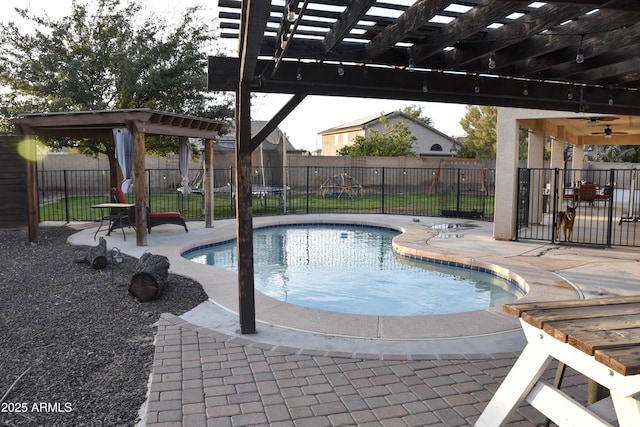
(595,120)
(608,132)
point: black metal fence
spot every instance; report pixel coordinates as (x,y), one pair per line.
(606,203)
(464,193)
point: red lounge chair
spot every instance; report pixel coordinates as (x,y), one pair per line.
(153,218)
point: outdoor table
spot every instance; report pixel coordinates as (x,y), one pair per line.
(117,212)
(599,338)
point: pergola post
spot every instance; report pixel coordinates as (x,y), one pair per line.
(139,182)
(33,208)
(244,210)
(208,183)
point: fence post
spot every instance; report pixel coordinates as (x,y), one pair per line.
(307,206)
(264,188)
(382,191)
(518,205)
(149,186)
(231,199)
(66,196)
(612,176)
(458,193)
(554,217)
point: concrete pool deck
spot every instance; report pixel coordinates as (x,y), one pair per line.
(547,271)
(194,376)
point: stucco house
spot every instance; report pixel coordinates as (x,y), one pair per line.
(429,142)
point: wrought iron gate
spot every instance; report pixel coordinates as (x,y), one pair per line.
(606,202)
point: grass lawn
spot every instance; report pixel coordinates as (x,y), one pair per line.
(79,208)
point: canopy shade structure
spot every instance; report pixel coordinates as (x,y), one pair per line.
(100,125)
(566,55)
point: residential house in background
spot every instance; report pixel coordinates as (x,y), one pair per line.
(430,142)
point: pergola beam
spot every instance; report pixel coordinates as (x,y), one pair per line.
(389,83)
(348,19)
(410,21)
(467,25)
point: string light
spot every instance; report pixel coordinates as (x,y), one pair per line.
(299,72)
(570,94)
(580,54)
(476,89)
(610,99)
(340,69)
(425,87)
(492,60)
(525,89)
(291,13)
(411,65)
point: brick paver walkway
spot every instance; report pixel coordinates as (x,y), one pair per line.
(204,378)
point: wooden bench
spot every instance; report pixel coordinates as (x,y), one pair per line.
(599,338)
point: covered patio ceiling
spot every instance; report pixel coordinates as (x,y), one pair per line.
(593,129)
(485,52)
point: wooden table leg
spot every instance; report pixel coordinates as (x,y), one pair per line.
(627,410)
(516,386)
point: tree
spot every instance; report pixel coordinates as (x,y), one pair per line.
(415,111)
(612,153)
(395,141)
(480,124)
(105,55)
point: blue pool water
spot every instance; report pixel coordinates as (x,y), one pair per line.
(352,269)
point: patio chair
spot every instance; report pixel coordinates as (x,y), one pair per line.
(587,193)
(121,217)
(153,218)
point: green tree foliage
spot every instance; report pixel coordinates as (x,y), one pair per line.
(415,111)
(612,153)
(395,141)
(523,144)
(106,55)
(480,123)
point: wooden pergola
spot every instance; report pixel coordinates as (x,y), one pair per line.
(100,125)
(564,55)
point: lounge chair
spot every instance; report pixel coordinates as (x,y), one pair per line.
(153,218)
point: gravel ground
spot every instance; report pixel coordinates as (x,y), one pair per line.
(87,345)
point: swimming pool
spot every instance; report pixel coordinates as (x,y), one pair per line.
(352,269)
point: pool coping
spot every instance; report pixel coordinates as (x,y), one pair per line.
(222,285)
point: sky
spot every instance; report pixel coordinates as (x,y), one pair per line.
(313,115)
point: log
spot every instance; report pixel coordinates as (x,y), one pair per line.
(96,256)
(149,277)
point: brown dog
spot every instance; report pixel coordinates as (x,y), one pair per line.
(565,222)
